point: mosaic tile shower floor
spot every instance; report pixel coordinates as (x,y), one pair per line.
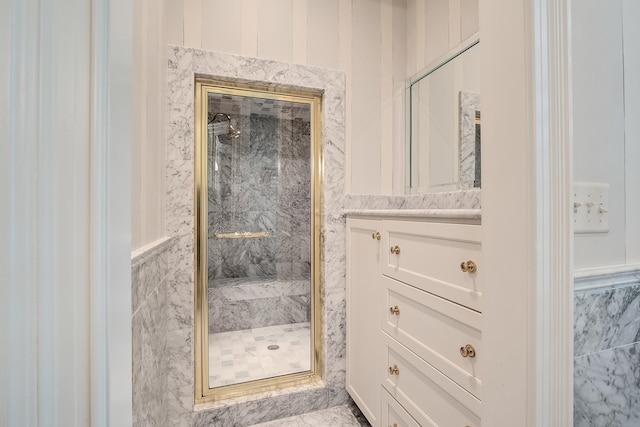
(241,356)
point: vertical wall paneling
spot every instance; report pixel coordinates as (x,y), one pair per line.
(386,95)
(631,39)
(109,179)
(323,33)
(221,23)
(174,22)
(193,23)
(249,25)
(400,31)
(148,148)
(63,211)
(137,146)
(420,34)
(345,48)
(436,22)
(454,23)
(366,101)
(19,289)
(598,117)
(469,21)
(275,35)
(299,32)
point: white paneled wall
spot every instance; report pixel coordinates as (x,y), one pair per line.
(631,37)
(148,152)
(378,44)
(599,122)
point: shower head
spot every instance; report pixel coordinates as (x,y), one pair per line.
(224,129)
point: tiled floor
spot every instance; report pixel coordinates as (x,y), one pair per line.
(241,356)
(340,416)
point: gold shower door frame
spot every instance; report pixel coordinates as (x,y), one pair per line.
(203,393)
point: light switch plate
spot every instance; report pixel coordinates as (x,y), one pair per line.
(591,206)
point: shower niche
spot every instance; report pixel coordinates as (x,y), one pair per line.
(257,239)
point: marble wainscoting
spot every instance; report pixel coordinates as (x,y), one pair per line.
(183,65)
(607,350)
(246,303)
(149,278)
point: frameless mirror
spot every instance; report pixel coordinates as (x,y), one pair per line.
(444,123)
(257,268)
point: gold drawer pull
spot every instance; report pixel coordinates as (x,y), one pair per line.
(394,370)
(394,310)
(395,250)
(376,235)
(396,425)
(468,351)
(468,266)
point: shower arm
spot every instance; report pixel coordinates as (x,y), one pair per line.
(215,116)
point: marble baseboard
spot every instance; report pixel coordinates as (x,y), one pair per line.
(336,416)
(606,391)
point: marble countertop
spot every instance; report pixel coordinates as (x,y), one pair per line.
(418,213)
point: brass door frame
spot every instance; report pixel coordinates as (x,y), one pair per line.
(203,393)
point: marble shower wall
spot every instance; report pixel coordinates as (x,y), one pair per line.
(262,183)
(607,353)
(183,65)
(149,278)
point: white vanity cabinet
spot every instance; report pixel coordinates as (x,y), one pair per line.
(364,348)
(426,277)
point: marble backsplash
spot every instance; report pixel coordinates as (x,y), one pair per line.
(607,354)
(463,199)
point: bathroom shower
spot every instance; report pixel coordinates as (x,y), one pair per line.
(258,281)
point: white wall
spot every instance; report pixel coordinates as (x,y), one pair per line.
(378,44)
(631,36)
(598,122)
(148,150)
(65,132)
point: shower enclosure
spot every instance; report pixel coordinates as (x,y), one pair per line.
(257,271)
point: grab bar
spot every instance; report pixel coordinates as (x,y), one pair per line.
(241,235)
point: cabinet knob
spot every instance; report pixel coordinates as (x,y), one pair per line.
(394,370)
(376,235)
(468,266)
(394,310)
(468,351)
(395,250)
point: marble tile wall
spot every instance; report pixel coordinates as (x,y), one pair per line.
(236,304)
(607,355)
(149,278)
(260,183)
(183,65)
(463,199)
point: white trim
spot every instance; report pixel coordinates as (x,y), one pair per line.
(611,277)
(110,222)
(149,250)
(554,299)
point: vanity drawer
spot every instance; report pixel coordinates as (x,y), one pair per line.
(394,415)
(435,329)
(426,393)
(429,255)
